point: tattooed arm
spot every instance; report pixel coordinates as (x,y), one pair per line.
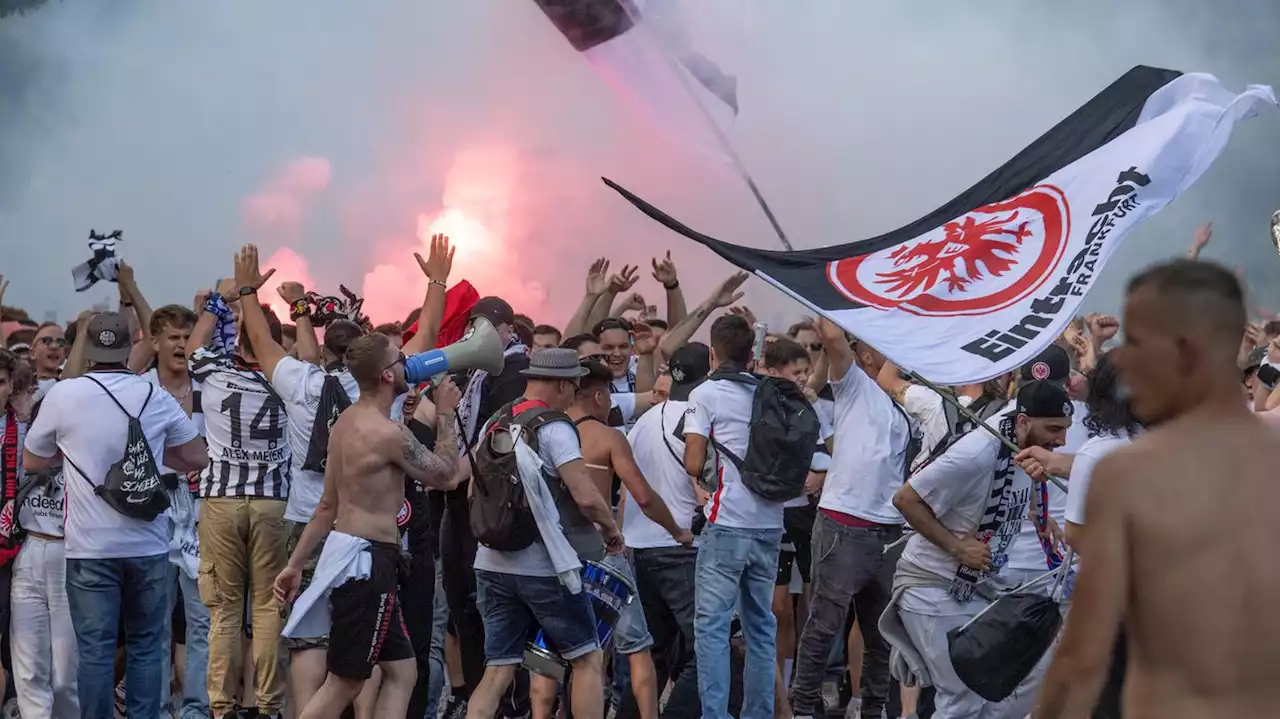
(434,471)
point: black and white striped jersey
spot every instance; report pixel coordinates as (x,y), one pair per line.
(245,426)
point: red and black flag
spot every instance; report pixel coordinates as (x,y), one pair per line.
(982,284)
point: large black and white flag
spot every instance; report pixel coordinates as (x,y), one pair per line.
(983,283)
(640,48)
(102,265)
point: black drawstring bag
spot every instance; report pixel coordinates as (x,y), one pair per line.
(333,401)
(995,651)
(132,486)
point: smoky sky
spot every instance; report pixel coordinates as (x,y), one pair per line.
(161,118)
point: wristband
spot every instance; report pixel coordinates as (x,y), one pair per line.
(438,282)
(245,291)
(671,286)
(299,308)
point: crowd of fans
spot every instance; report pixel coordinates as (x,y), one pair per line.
(912,518)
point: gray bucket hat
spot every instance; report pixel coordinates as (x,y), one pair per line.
(554,363)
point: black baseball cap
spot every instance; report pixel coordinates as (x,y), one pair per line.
(1051,365)
(109,339)
(1044,399)
(494,309)
(689,367)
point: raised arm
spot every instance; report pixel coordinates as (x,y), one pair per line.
(435,470)
(597,285)
(664,271)
(890,380)
(722,296)
(836,348)
(77,364)
(1203,235)
(266,350)
(306,346)
(618,283)
(132,297)
(436,267)
(215,316)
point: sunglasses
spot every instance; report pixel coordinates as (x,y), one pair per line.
(400,360)
(595,358)
(59,341)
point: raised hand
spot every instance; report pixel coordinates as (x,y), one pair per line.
(202,297)
(664,271)
(291,291)
(1203,235)
(1102,327)
(634,301)
(645,341)
(124,273)
(727,293)
(624,280)
(744,312)
(1252,335)
(247,272)
(439,262)
(598,277)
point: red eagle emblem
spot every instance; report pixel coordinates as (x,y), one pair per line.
(968,247)
(980,262)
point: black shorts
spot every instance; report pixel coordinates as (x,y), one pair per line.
(798,530)
(367,627)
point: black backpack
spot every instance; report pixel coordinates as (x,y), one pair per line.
(132,486)
(783,436)
(333,401)
(500,517)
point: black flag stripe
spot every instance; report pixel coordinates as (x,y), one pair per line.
(587,23)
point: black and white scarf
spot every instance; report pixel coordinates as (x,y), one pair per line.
(102,266)
(994,515)
(469,406)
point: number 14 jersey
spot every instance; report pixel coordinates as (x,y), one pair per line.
(245,427)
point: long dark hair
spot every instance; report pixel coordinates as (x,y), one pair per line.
(1108,412)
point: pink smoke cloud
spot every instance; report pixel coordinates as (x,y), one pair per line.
(278,208)
(289,267)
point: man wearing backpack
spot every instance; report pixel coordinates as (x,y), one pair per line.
(856,520)
(117,564)
(738,552)
(309,392)
(518,586)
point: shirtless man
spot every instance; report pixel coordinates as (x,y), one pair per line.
(605,452)
(369,457)
(1181,534)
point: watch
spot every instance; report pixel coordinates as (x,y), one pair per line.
(248,291)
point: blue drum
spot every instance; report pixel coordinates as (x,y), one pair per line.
(609,593)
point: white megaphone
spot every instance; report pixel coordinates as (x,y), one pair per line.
(480,348)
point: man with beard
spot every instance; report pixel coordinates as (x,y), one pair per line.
(967,508)
(1185,511)
(369,457)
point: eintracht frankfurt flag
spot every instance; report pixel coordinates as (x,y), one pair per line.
(640,49)
(979,286)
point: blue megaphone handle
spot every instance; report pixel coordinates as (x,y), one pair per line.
(423,366)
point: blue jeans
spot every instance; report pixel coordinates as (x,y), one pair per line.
(736,566)
(101,592)
(438,671)
(195,692)
(513,607)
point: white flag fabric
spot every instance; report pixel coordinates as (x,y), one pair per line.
(104,264)
(640,49)
(979,286)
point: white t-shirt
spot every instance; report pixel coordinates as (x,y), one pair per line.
(659,453)
(80,420)
(869,452)
(957,486)
(300,384)
(197,411)
(925,407)
(1087,458)
(625,403)
(721,408)
(558,445)
(44,508)
(1028,554)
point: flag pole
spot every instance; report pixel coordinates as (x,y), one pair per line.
(969,415)
(728,149)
